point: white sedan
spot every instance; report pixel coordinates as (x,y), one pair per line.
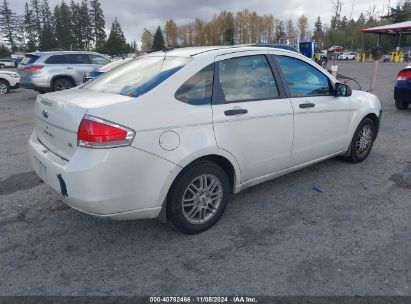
(8,81)
(347,56)
(173,134)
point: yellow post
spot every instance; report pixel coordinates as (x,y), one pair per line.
(370,57)
(392,56)
(363,57)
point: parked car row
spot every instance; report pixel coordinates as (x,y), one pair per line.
(173,134)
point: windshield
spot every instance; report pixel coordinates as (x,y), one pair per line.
(137,76)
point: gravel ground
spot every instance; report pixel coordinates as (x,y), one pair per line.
(278,238)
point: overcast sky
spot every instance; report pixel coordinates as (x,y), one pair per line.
(134,15)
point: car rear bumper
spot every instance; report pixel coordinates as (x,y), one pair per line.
(403,94)
(121,183)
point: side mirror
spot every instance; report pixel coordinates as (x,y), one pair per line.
(342,90)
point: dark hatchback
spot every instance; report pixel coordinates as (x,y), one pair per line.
(402,90)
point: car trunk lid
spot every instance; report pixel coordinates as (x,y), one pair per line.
(58,116)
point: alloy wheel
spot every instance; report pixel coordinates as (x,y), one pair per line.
(364,141)
(63,84)
(202,199)
(3,89)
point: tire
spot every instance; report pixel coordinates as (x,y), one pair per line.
(401,104)
(62,83)
(362,141)
(4,87)
(201,209)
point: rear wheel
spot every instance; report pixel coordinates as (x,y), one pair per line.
(401,104)
(61,84)
(362,141)
(198,197)
(4,87)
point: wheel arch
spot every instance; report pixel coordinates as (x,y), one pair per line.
(225,160)
(55,77)
(5,80)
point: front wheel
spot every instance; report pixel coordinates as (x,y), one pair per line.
(362,141)
(4,87)
(198,197)
(401,104)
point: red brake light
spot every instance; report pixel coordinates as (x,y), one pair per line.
(33,68)
(404,75)
(95,132)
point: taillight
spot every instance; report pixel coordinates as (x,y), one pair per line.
(404,75)
(33,68)
(95,132)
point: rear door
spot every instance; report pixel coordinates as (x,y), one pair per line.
(321,120)
(79,65)
(252,117)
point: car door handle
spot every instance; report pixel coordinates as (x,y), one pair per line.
(307,105)
(69,68)
(235,112)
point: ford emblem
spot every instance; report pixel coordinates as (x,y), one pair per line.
(45,114)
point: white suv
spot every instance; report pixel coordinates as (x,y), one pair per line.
(174,134)
(8,80)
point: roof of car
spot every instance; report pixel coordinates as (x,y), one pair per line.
(211,50)
(60,53)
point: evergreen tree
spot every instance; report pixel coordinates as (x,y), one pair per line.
(62,21)
(318,30)
(8,25)
(116,42)
(29,28)
(87,34)
(47,38)
(36,9)
(97,23)
(158,40)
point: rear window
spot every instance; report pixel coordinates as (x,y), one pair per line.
(29,59)
(138,76)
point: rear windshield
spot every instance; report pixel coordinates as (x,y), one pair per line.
(29,59)
(137,76)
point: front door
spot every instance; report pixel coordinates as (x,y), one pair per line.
(321,120)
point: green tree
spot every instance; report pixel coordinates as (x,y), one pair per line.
(318,30)
(4,52)
(97,23)
(29,28)
(116,42)
(62,20)
(8,24)
(158,40)
(47,38)
(36,9)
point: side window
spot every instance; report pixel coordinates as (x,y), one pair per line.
(96,59)
(56,59)
(302,78)
(197,90)
(77,59)
(246,79)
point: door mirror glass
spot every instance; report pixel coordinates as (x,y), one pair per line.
(342,90)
